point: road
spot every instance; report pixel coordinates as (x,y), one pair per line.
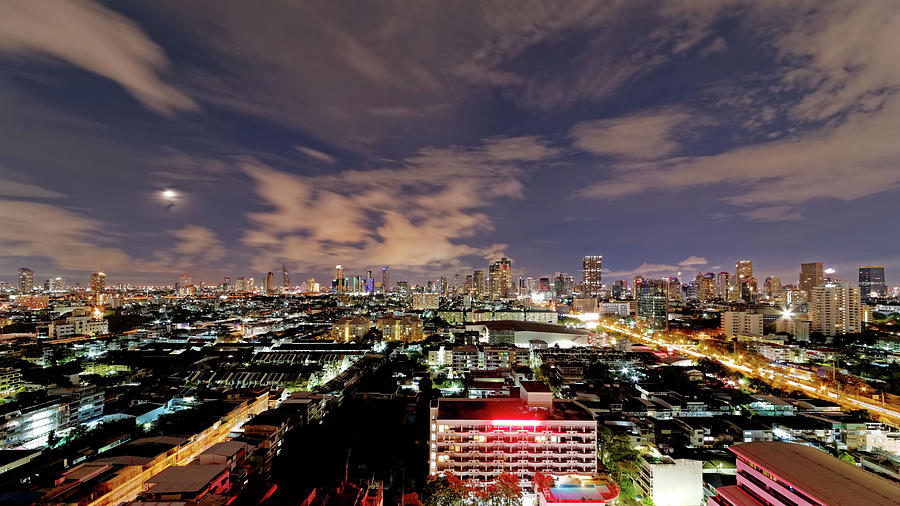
(778,378)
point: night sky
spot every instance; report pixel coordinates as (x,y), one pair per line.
(432,136)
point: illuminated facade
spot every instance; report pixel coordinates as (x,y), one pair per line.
(834,308)
(501,278)
(422,301)
(339,286)
(400,328)
(871,282)
(741,323)
(350,328)
(386,279)
(98,282)
(480,438)
(26,280)
(591,275)
(80,321)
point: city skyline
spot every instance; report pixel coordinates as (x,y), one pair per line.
(550,134)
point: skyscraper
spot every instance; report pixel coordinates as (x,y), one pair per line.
(184,284)
(285,279)
(773,287)
(619,288)
(811,276)
(501,278)
(653,303)
(338,279)
(723,282)
(834,308)
(744,269)
(270,283)
(98,282)
(591,275)
(871,281)
(478,282)
(386,279)
(26,280)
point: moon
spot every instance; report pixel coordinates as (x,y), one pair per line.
(169,194)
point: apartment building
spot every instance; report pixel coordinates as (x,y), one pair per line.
(480,438)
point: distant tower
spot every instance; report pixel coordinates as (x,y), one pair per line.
(500,278)
(98,282)
(270,283)
(338,279)
(184,284)
(591,275)
(478,281)
(811,276)
(26,280)
(285,279)
(871,281)
(386,279)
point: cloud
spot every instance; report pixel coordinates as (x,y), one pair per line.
(18,189)
(96,39)
(198,244)
(316,154)
(693,260)
(645,135)
(718,45)
(420,214)
(838,88)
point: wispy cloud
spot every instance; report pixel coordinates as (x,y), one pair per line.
(96,39)
(316,154)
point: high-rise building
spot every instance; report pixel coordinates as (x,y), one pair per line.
(285,279)
(184,284)
(811,276)
(741,323)
(339,279)
(98,282)
(619,288)
(636,285)
(835,308)
(544,285)
(871,282)
(744,269)
(676,291)
(705,285)
(500,278)
(57,284)
(478,281)
(564,285)
(270,283)
(386,279)
(591,275)
(26,280)
(653,303)
(369,286)
(723,282)
(773,287)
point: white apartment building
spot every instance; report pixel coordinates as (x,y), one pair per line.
(834,308)
(79,322)
(742,323)
(480,438)
(673,482)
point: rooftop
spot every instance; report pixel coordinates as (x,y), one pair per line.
(188,479)
(818,474)
(509,409)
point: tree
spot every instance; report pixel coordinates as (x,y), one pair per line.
(622,461)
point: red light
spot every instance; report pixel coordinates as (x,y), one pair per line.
(517,423)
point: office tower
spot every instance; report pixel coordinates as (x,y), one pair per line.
(811,276)
(704,287)
(749,289)
(834,308)
(591,275)
(775,473)
(773,287)
(469,285)
(871,282)
(636,283)
(183,288)
(564,286)
(98,282)
(478,280)
(723,281)
(500,272)
(386,279)
(653,303)
(285,279)
(744,269)
(675,289)
(442,287)
(544,285)
(618,289)
(270,283)
(339,279)
(26,280)
(403,287)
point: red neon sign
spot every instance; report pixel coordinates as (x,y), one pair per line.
(517,423)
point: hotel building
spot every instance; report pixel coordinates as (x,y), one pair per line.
(478,439)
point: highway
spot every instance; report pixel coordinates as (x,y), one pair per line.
(784,379)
